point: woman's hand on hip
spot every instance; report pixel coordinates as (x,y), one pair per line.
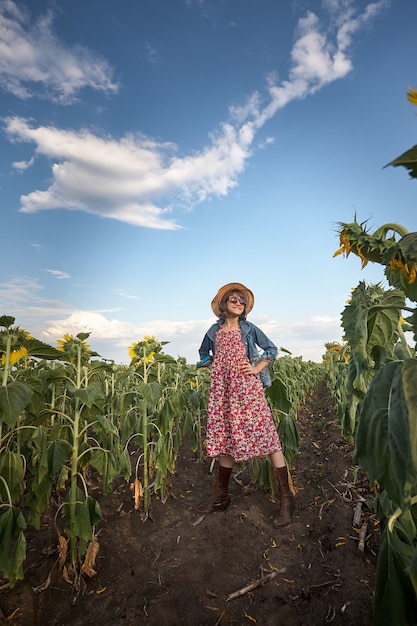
(247,368)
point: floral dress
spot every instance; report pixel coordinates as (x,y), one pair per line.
(239,420)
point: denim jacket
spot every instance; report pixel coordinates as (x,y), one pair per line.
(252,337)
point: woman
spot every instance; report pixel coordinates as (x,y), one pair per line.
(240,426)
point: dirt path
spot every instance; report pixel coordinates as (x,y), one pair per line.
(169,572)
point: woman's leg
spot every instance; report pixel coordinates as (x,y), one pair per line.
(220,498)
(284,516)
(278,459)
(227,461)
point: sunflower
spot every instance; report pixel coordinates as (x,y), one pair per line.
(408,269)
(347,246)
(13,340)
(145,349)
(15,356)
(71,345)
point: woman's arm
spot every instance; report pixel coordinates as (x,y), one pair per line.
(247,368)
(270,350)
(205,352)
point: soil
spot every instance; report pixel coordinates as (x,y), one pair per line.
(176,569)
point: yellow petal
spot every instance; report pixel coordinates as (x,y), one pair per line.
(340,251)
(412,96)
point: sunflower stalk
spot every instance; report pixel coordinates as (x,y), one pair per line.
(403,340)
(198,426)
(74,468)
(145,441)
(6,372)
(7,360)
(382,231)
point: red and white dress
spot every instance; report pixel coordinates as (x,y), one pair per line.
(240,422)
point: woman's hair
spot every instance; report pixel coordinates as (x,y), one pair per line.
(222,304)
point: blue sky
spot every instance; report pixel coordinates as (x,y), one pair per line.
(151,151)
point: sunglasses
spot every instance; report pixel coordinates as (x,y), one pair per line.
(237,299)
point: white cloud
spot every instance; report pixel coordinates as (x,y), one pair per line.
(119,179)
(152,54)
(17,290)
(139,181)
(23,165)
(88,321)
(58,274)
(111,338)
(315,60)
(33,62)
(118,331)
(125,294)
(22,298)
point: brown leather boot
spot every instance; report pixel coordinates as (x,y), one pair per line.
(220,498)
(284,516)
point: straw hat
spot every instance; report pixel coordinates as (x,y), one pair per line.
(215,303)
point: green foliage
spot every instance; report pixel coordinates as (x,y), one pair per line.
(386,446)
(57,419)
(408,160)
(396,575)
(12,469)
(370,322)
(278,395)
(401,265)
(381,407)
(82,523)
(289,436)
(14,397)
(12,544)
(297,379)
(40,350)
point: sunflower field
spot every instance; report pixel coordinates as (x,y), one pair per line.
(66,415)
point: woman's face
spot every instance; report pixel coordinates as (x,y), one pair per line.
(235,303)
